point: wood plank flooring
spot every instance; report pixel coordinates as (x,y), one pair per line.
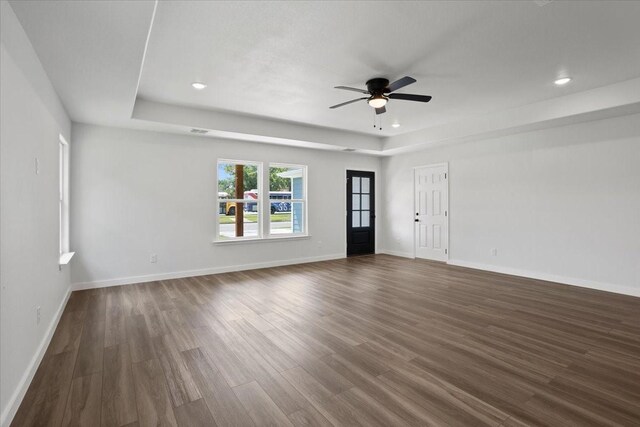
(367,341)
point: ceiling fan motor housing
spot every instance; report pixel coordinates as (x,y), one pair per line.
(377,86)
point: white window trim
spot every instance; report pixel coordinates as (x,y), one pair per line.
(65,254)
(304,201)
(269,239)
(264,205)
(259,165)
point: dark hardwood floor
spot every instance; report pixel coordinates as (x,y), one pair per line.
(371,341)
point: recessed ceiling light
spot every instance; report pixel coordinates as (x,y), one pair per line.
(395,125)
(198,85)
(562,81)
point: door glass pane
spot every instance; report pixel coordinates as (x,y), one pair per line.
(356,202)
(365,218)
(365,202)
(365,186)
(356,185)
(356,219)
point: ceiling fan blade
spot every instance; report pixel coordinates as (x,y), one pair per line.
(398,84)
(381,110)
(410,97)
(352,89)
(348,102)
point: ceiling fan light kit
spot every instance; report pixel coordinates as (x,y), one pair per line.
(379,91)
(378,101)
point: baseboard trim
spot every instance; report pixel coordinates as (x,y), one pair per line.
(202,272)
(397,253)
(25,382)
(600,286)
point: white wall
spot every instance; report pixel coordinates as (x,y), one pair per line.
(561,203)
(31,118)
(137,192)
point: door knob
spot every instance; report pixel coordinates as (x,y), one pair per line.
(417,220)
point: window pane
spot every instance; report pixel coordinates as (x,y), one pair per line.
(365,201)
(280,219)
(229,213)
(356,202)
(365,218)
(285,184)
(63,208)
(281,223)
(61,196)
(365,185)
(227,180)
(250,222)
(297,217)
(355,222)
(355,186)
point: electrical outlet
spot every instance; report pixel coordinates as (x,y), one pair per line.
(494,252)
(153,259)
(37,315)
(37,165)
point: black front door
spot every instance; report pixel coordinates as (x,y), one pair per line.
(361,215)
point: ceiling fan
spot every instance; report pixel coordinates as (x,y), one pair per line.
(379,91)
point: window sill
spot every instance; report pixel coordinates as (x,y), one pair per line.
(65,258)
(262,240)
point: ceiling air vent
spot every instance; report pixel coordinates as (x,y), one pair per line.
(199,131)
(349,149)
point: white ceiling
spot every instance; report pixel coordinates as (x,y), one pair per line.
(280,60)
(92,52)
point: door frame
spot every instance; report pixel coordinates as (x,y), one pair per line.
(447,215)
(346,213)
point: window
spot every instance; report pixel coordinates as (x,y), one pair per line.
(360,206)
(63,200)
(239,185)
(287,199)
(244,213)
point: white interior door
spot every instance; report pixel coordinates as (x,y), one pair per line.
(432,212)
